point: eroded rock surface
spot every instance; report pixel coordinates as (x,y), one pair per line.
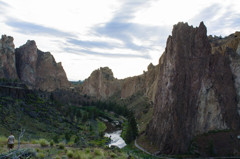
(7,58)
(195,91)
(38,69)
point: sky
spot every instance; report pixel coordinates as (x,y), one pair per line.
(125,35)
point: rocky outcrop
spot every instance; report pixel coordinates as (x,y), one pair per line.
(39,70)
(7,58)
(26,62)
(101,84)
(195,91)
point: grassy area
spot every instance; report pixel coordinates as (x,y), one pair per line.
(42,149)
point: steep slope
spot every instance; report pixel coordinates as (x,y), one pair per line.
(195,91)
(7,58)
(39,70)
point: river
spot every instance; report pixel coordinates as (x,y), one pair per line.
(116,139)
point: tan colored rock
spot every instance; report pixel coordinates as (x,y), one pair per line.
(101,84)
(7,58)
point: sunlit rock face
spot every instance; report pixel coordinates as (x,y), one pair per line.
(39,70)
(7,58)
(101,84)
(196,91)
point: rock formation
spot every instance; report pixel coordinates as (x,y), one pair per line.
(7,58)
(39,70)
(101,84)
(195,91)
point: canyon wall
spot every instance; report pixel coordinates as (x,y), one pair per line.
(196,91)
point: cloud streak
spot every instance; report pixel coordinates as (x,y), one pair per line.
(228,19)
(32,28)
(92,44)
(108,55)
(3,7)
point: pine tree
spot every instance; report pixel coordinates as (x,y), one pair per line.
(132,130)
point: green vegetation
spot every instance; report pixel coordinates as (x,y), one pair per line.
(130,130)
(62,131)
(43,142)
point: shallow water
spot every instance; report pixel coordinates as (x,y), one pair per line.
(116,139)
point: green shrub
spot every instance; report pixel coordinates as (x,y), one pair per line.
(57,157)
(77,155)
(98,152)
(43,142)
(34,141)
(113,155)
(61,146)
(64,157)
(80,155)
(87,150)
(40,155)
(70,154)
(56,138)
(51,143)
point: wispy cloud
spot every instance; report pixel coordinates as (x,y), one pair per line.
(32,28)
(121,29)
(109,54)
(206,14)
(92,44)
(3,6)
(218,18)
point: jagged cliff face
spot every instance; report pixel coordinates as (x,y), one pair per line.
(101,84)
(26,62)
(7,58)
(39,70)
(195,93)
